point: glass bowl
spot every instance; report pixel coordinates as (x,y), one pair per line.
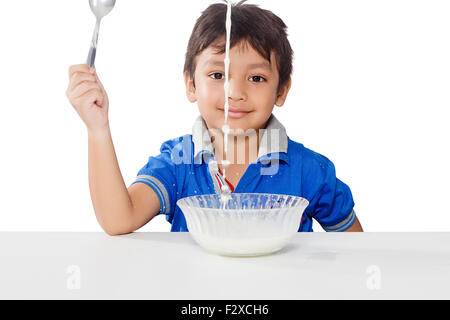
(247,224)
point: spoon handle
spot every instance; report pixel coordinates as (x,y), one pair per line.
(93,49)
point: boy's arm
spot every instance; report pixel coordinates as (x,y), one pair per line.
(355,227)
(117,209)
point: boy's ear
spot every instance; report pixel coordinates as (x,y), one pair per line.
(282,94)
(190,89)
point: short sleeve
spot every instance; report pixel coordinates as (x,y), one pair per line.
(160,174)
(331,201)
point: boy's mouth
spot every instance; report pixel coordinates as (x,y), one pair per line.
(236,113)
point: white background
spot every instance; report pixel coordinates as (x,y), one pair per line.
(370,91)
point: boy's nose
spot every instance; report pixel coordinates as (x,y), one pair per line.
(237,90)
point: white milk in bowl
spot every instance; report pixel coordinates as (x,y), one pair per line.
(244,247)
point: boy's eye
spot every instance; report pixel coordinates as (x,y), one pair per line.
(217,76)
(257,79)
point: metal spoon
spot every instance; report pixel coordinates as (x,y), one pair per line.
(100,8)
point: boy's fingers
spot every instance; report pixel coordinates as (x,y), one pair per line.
(84,81)
(95,96)
(78,78)
(79,68)
(91,96)
(83,88)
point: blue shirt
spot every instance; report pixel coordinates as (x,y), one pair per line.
(183,169)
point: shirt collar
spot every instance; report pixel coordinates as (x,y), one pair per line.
(273,141)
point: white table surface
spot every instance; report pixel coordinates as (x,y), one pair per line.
(78,265)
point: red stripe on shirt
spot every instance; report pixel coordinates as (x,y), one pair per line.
(229,184)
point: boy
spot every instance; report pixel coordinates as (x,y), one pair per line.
(259,78)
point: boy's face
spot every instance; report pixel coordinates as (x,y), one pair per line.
(253,88)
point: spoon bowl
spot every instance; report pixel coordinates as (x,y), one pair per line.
(101,8)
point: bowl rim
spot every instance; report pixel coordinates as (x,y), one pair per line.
(302,200)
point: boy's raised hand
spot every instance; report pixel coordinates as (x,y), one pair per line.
(88,97)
